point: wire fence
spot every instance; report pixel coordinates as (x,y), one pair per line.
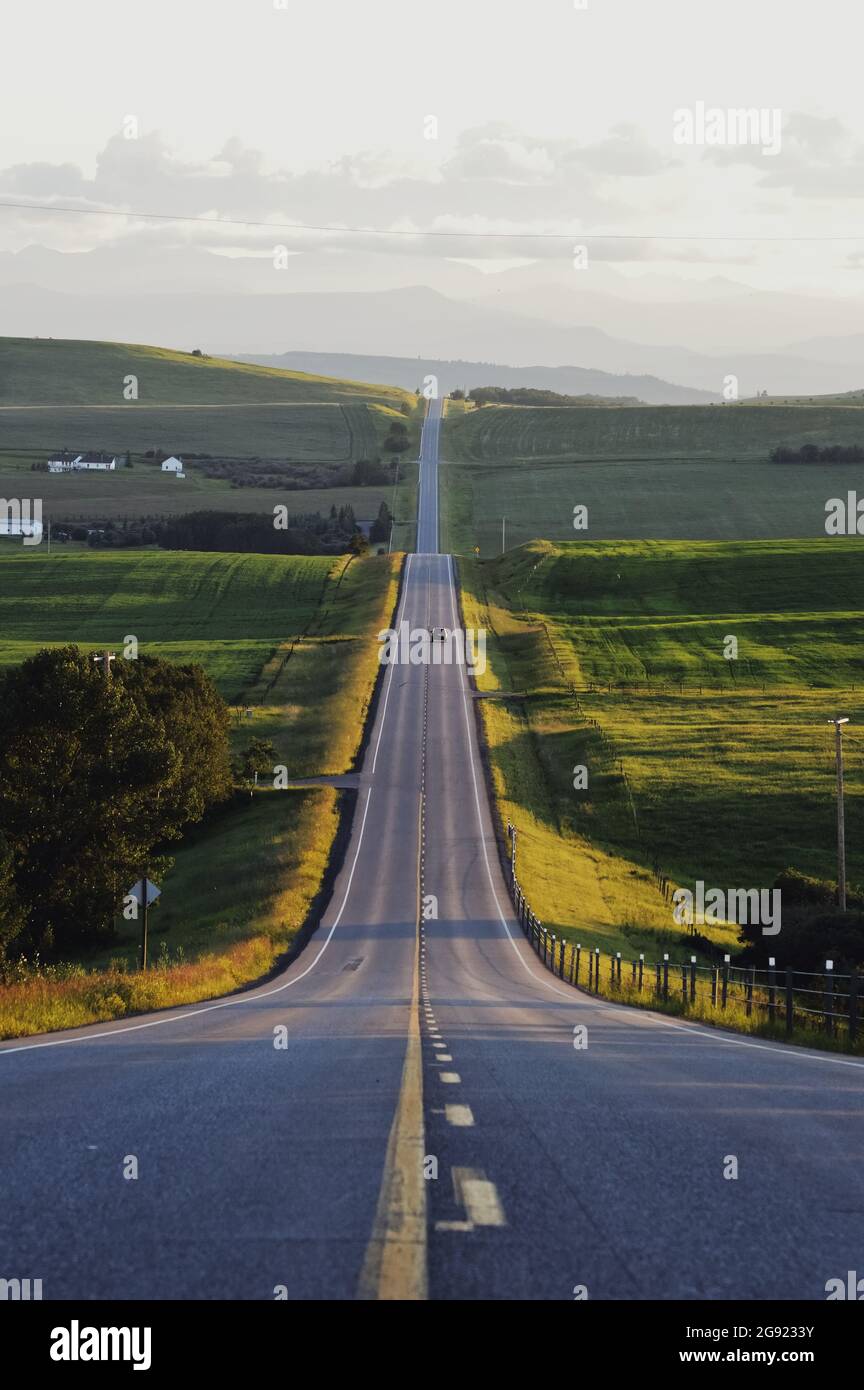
(824,1003)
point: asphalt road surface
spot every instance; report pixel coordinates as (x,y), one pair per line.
(428,1129)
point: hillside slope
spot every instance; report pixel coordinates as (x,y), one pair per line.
(50,371)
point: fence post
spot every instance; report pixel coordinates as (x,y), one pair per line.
(692,979)
(578,955)
(561,967)
(853,1005)
(790,1002)
(596,969)
(771,990)
(684,985)
(641,969)
(828,998)
(633,968)
(590,971)
(657,978)
(724,993)
(617,969)
(749,991)
(666,975)
(715,976)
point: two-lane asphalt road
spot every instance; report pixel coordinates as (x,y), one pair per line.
(548,1169)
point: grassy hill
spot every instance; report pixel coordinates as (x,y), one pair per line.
(667,472)
(710,768)
(49,371)
(69,394)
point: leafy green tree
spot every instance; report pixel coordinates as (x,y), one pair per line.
(94,773)
(259,756)
(380,528)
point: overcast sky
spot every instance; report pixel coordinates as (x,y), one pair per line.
(549,119)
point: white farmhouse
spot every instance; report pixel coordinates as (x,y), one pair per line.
(173,465)
(82,463)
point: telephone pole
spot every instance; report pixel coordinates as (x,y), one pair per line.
(841,827)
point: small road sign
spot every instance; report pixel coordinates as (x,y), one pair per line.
(138,889)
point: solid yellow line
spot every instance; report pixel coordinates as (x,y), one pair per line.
(395,1264)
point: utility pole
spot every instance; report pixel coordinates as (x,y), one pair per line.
(841,827)
(503,534)
(106,658)
(144,886)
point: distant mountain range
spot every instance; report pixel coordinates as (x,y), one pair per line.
(657,337)
(409,372)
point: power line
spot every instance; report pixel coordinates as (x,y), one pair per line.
(573,236)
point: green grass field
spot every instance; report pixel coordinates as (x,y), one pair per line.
(229,612)
(642,432)
(682,472)
(146,491)
(69,395)
(293,639)
(714,769)
(53,371)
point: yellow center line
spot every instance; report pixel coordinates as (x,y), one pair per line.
(395,1264)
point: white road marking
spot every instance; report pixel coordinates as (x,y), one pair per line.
(451,1078)
(460,1115)
(479,1197)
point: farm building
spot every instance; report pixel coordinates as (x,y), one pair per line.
(81,463)
(173,465)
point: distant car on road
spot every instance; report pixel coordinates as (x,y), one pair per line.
(440,634)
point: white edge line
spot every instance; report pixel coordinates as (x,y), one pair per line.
(582,1000)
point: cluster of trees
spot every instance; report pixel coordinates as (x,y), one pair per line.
(814,929)
(304,534)
(529,395)
(374,473)
(816,453)
(308,534)
(299,477)
(96,774)
(380,528)
(397,440)
(270,473)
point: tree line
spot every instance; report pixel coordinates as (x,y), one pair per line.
(530,395)
(307,533)
(818,453)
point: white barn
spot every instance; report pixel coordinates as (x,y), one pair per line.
(82,463)
(173,465)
